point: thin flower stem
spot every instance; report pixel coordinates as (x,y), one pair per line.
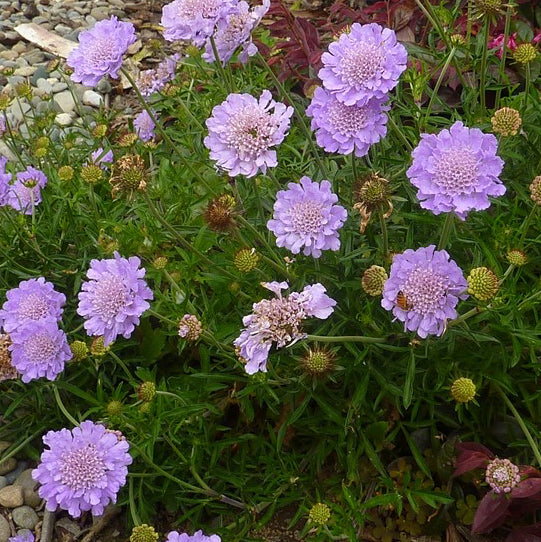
(446,231)
(501,70)
(63,408)
(133,509)
(384,235)
(354,167)
(506,274)
(438,85)
(160,317)
(221,70)
(528,299)
(398,131)
(121,363)
(468,29)
(345,339)
(466,315)
(170,394)
(306,130)
(527,223)
(522,425)
(483,74)
(527,83)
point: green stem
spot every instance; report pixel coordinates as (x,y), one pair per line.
(399,133)
(63,408)
(468,30)
(504,54)
(221,70)
(528,299)
(354,168)
(527,85)
(345,339)
(384,235)
(133,509)
(506,274)
(482,75)
(122,364)
(445,232)
(307,132)
(170,394)
(438,84)
(522,425)
(527,222)
(466,315)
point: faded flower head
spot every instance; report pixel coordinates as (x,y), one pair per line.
(190,328)
(220,213)
(33,300)
(483,283)
(319,514)
(502,475)
(198,536)
(506,121)
(146,391)
(144,533)
(362,64)
(373,280)
(345,128)
(114,297)
(7,371)
(246,259)
(306,217)
(128,175)
(83,469)
(25,193)
(278,321)
(535,190)
(39,348)
(127,140)
(318,361)
(371,194)
(2,124)
(525,53)
(423,289)
(192,20)
(487,8)
(233,30)
(79,350)
(144,126)
(517,257)
(114,408)
(100,51)
(242,131)
(456,170)
(463,390)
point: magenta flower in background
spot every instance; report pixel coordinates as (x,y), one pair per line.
(102,158)
(83,469)
(33,300)
(456,170)
(363,64)
(144,126)
(242,131)
(347,128)
(5,180)
(423,289)
(306,217)
(25,193)
(100,51)
(175,536)
(192,20)
(233,29)
(39,348)
(278,321)
(497,43)
(114,297)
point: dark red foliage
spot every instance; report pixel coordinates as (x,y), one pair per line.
(532,533)
(491,513)
(472,456)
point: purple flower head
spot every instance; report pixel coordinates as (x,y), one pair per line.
(347,128)
(150,81)
(456,170)
(83,469)
(144,126)
(39,348)
(2,124)
(191,19)
(33,300)
(502,475)
(233,29)
(175,536)
(5,180)
(242,131)
(363,64)
(306,216)
(100,51)
(25,193)
(26,537)
(423,289)
(101,158)
(114,297)
(278,321)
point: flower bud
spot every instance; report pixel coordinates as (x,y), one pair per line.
(143,533)
(246,259)
(517,257)
(65,173)
(463,390)
(190,328)
(318,362)
(146,391)
(319,514)
(79,349)
(373,280)
(220,213)
(91,174)
(128,175)
(535,190)
(114,408)
(506,121)
(7,371)
(525,53)
(483,283)
(98,348)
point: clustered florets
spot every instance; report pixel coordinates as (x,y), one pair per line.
(502,475)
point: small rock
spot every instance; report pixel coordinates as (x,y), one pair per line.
(135,47)
(62,29)
(40,19)
(12,476)
(11,496)
(9,54)
(92,98)
(63,119)
(69,525)
(19,47)
(11,463)
(60,86)
(24,532)
(3,482)
(29,485)
(104,86)
(5,529)
(64,101)
(44,85)
(31,11)
(25,517)
(74,34)
(25,71)
(40,73)
(33,58)
(31,498)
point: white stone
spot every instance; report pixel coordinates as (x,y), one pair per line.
(63,119)
(44,85)
(90,97)
(25,71)
(65,102)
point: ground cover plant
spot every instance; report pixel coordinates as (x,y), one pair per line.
(288,299)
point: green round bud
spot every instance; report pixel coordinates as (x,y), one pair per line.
(114,408)
(143,533)
(319,514)
(79,349)
(146,391)
(65,173)
(246,259)
(483,283)
(463,390)
(525,53)
(517,257)
(373,280)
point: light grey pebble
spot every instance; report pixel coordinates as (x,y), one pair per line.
(90,21)
(69,525)
(64,101)
(60,86)
(92,98)
(9,54)
(74,34)
(12,476)
(104,86)
(25,71)
(40,19)
(100,13)
(3,482)
(43,108)
(11,496)
(25,517)
(19,47)
(29,485)
(62,29)
(33,58)
(5,529)
(7,465)
(63,119)
(40,73)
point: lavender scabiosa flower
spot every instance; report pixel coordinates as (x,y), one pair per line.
(100,51)
(502,475)
(144,126)
(242,131)
(456,170)
(347,128)
(423,289)
(101,158)
(278,321)
(150,81)
(175,536)
(233,29)
(83,469)
(306,216)
(114,297)
(39,348)
(192,20)
(26,537)
(5,180)
(33,300)
(363,64)
(25,193)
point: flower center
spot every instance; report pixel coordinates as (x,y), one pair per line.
(425,290)
(346,119)
(277,320)
(33,306)
(307,217)
(250,132)
(40,348)
(109,296)
(457,171)
(501,475)
(82,469)
(361,62)
(100,50)
(191,8)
